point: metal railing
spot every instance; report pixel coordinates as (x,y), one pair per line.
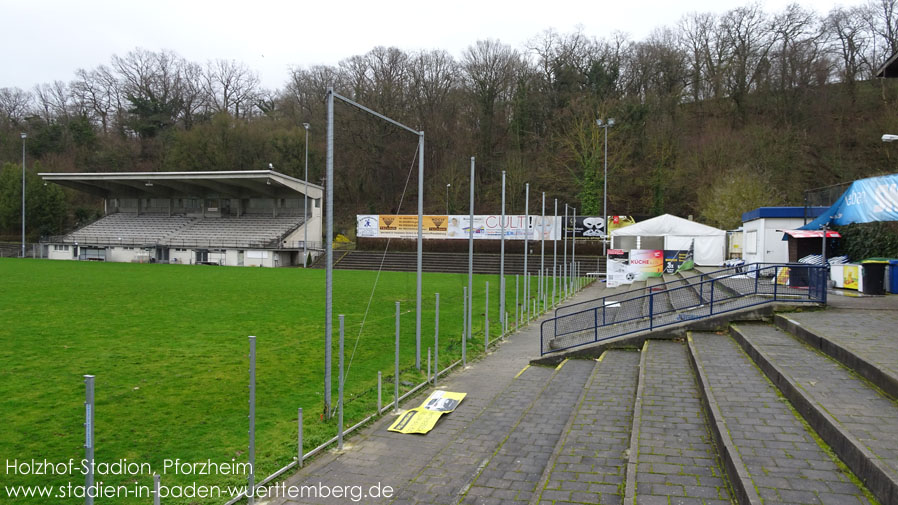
(153,242)
(686,299)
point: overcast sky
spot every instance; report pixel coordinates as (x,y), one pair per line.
(47,40)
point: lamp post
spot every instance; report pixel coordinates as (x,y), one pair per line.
(447,198)
(24,136)
(305,204)
(605,125)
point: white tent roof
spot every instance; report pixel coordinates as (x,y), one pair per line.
(667,224)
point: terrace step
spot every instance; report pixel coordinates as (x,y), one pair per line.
(768,452)
(466,468)
(671,453)
(859,422)
(589,463)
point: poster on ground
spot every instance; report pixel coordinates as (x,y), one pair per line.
(423,418)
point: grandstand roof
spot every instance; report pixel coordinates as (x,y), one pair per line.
(233,184)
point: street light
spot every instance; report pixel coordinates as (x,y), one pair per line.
(605,125)
(447,197)
(305,203)
(885,138)
(24,136)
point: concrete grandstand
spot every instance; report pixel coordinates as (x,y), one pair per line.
(245,218)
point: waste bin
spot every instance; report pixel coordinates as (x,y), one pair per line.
(874,273)
(893,276)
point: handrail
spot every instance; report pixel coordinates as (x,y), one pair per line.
(690,298)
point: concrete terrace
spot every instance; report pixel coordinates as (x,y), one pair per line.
(799,408)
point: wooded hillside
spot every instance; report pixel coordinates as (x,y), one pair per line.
(715,115)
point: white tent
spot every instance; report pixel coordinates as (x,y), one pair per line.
(671,233)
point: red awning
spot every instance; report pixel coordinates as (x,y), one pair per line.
(811,233)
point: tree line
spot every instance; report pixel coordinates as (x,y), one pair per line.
(715,115)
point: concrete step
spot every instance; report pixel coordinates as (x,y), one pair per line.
(454,470)
(513,472)
(671,454)
(859,422)
(589,463)
(872,353)
(768,452)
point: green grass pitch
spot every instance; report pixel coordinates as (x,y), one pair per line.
(168,345)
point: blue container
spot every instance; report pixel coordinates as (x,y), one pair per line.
(893,276)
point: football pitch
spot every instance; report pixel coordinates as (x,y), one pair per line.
(168,346)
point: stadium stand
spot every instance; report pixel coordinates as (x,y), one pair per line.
(250,218)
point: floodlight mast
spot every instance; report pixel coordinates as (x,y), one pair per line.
(329,254)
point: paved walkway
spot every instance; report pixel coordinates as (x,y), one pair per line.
(434,468)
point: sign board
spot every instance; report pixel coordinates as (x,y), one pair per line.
(424,417)
(457,227)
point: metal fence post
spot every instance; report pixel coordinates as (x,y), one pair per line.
(157,500)
(712,298)
(428,364)
(651,311)
(464,331)
(517,303)
(251,478)
(486,319)
(396,366)
(89,437)
(595,318)
(527,294)
(436,341)
(299,455)
(379,392)
(340,392)
(775,279)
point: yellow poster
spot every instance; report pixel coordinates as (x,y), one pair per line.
(422,419)
(782,277)
(850,276)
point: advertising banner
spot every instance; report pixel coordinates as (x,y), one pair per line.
(645,263)
(865,201)
(424,417)
(585,227)
(850,276)
(457,227)
(618,222)
(679,261)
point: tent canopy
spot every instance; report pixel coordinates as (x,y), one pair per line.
(677,234)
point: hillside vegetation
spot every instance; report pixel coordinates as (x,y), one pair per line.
(715,115)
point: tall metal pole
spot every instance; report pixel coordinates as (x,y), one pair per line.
(574,244)
(542,253)
(554,251)
(24,136)
(305,205)
(329,252)
(526,245)
(605,198)
(464,331)
(471,254)
(89,437)
(251,477)
(502,254)
(420,249)
(564,259)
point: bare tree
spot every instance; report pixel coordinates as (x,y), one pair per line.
(14,105)
(230,87)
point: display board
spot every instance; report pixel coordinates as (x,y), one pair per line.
(457,227)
